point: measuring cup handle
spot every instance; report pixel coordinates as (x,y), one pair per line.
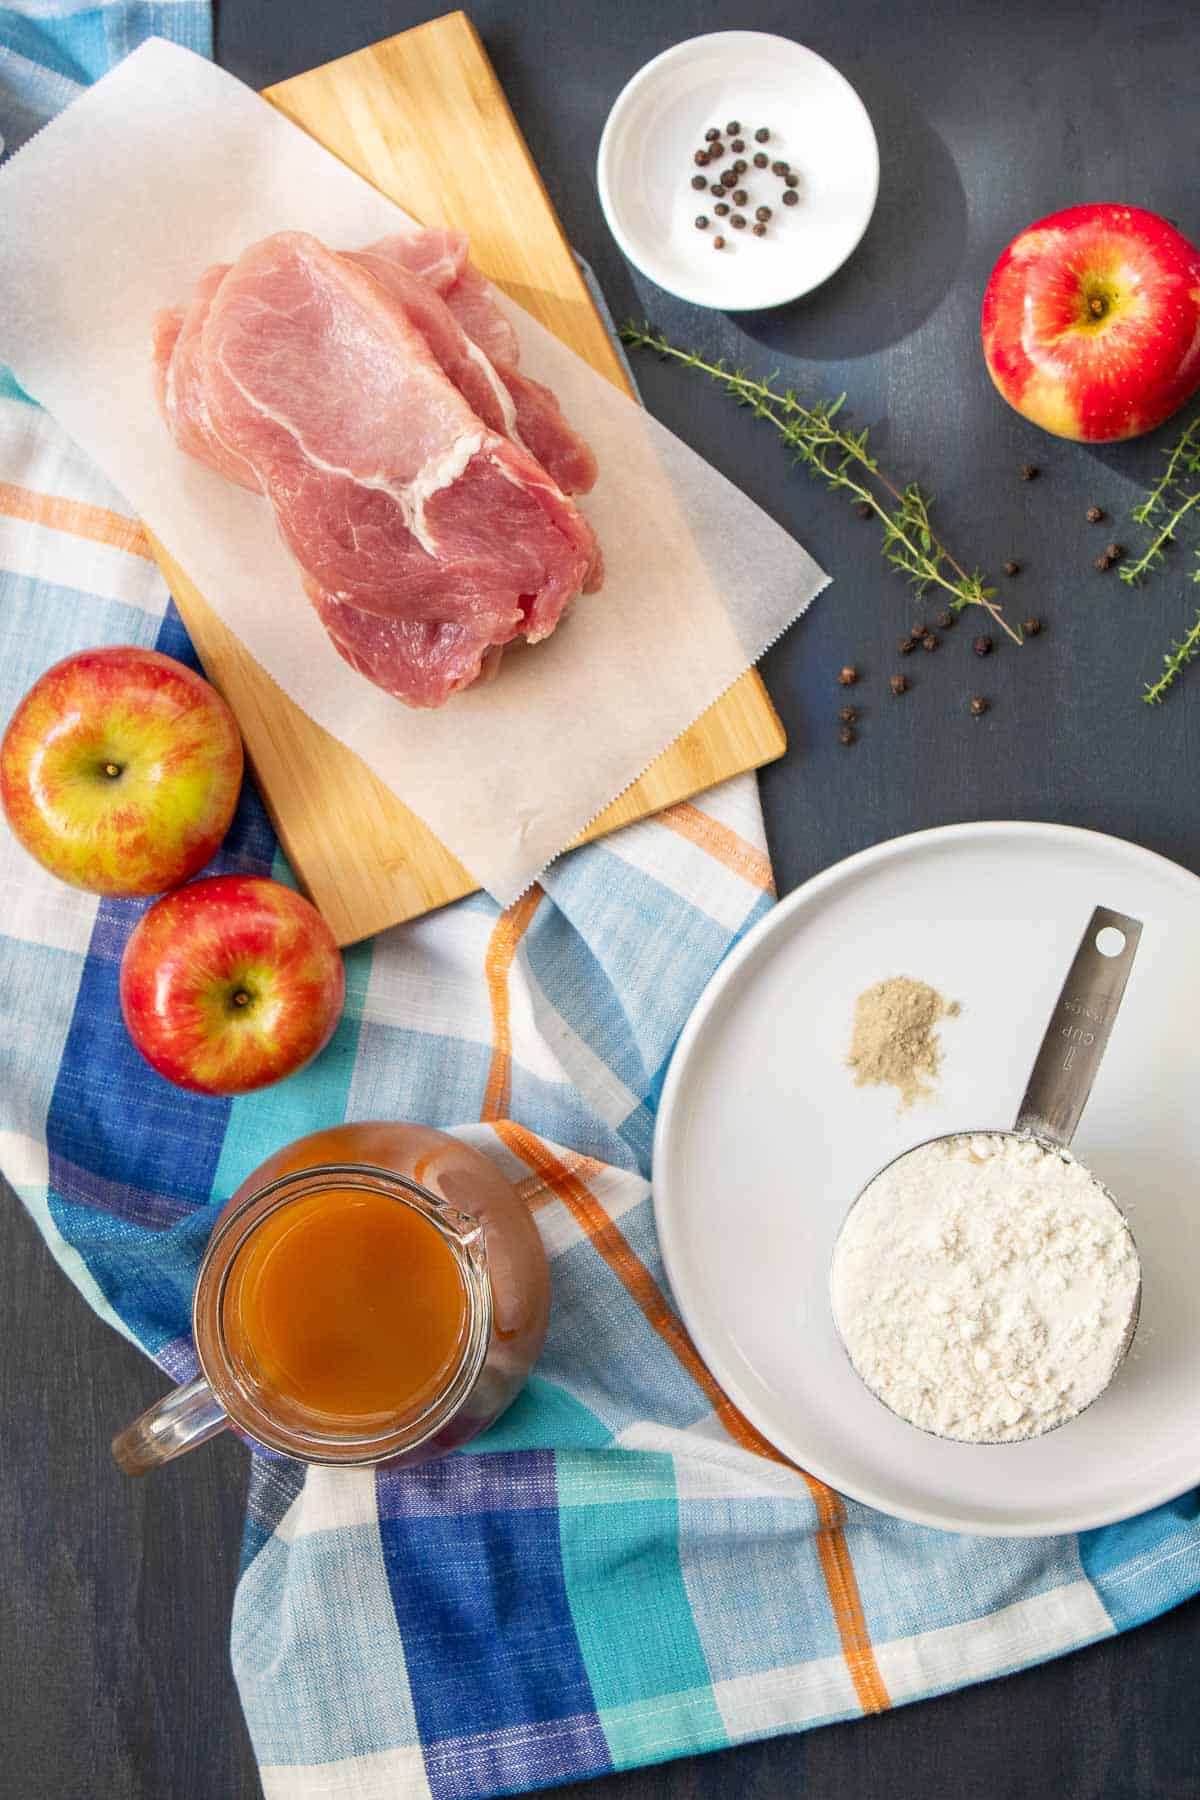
(187,1416)
(1078,1032)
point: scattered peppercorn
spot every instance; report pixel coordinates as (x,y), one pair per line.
(698,181)
(763,213)
(721,209)
(979,705)
(761,135)
(982,646)
(701,222)
(790,197)
(848,676)
(1029,471)
(907,646)
(918,631)
(759,230)
(898,684)
(1031,627)
(760,161)
(864,509)
(1103,562)
(791,181)
(1095,514)
(711,135)
(718,243)
(739,196)
(779,168)
(847,734)
(733,128)
(848,714)
(700,158)
(728,178)
(738,144)
(1012,568)
(717,150)
(946,619)
(930,641)
(740,166)
(738,222)
(716,189)
(1115,552)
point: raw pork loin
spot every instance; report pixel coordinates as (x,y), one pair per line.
(420,481)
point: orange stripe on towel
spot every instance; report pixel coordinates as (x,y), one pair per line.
(507,933)
(726,846)
(74,516)
(833,1552)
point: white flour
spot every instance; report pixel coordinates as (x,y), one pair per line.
(984,1287)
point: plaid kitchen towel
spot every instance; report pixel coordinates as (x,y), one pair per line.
(616,1573)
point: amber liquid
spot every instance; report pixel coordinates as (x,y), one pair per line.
(348,1304)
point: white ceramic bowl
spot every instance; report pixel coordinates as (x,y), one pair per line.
(818,125)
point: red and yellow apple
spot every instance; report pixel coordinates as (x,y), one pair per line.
(231,983)
(120,770)
(1091,322)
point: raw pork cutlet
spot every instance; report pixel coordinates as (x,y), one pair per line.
(181,394)
(419,662)
(441,258)
(523,410)
(394,496)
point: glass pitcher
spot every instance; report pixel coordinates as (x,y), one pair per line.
(296,1351)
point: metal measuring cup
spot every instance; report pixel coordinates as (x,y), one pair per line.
(1060,1082)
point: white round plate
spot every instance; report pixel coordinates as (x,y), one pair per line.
(817,123)
(763,1141)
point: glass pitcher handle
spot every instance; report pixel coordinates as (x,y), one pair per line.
(187,1416)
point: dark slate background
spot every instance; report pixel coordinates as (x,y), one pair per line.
(114,1597)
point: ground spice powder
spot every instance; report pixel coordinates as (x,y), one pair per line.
(894,1042)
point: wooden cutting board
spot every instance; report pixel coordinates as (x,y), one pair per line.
(424,119)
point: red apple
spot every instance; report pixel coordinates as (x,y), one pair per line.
(1091,322)
(231,983)
(120,770)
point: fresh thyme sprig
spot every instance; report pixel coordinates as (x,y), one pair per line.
(1175,662)
(1167,493)
(841,458)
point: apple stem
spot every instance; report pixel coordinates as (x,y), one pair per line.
(241,998)
(112,770)
(1096,307)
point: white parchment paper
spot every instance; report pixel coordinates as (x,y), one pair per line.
(167,165)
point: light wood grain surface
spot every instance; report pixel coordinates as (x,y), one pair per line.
(423,118)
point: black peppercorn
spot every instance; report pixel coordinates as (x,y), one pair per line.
(946,619)
(738,222)
(790,197)
(1029,471)
(698,181)
(760,161)
(847,734)
(1095,514)
(700,158)
(1012,568)
(739,196)
(721,209)
(791,181)
(733,128)
(716,188)
(717,150)
(978,705)
(918,631)
(740,166)
(864,509)
(701,222)
(930,641)
(759,230)
(848,676)
(779,168)
(898,684)
(1115,552)
(728,178)
(761,135)
(711,135)
(763,213)
(907,646)
(738,145)
(1031,627)
(1103,562)
(982,646)
(718,243)
(848,714)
